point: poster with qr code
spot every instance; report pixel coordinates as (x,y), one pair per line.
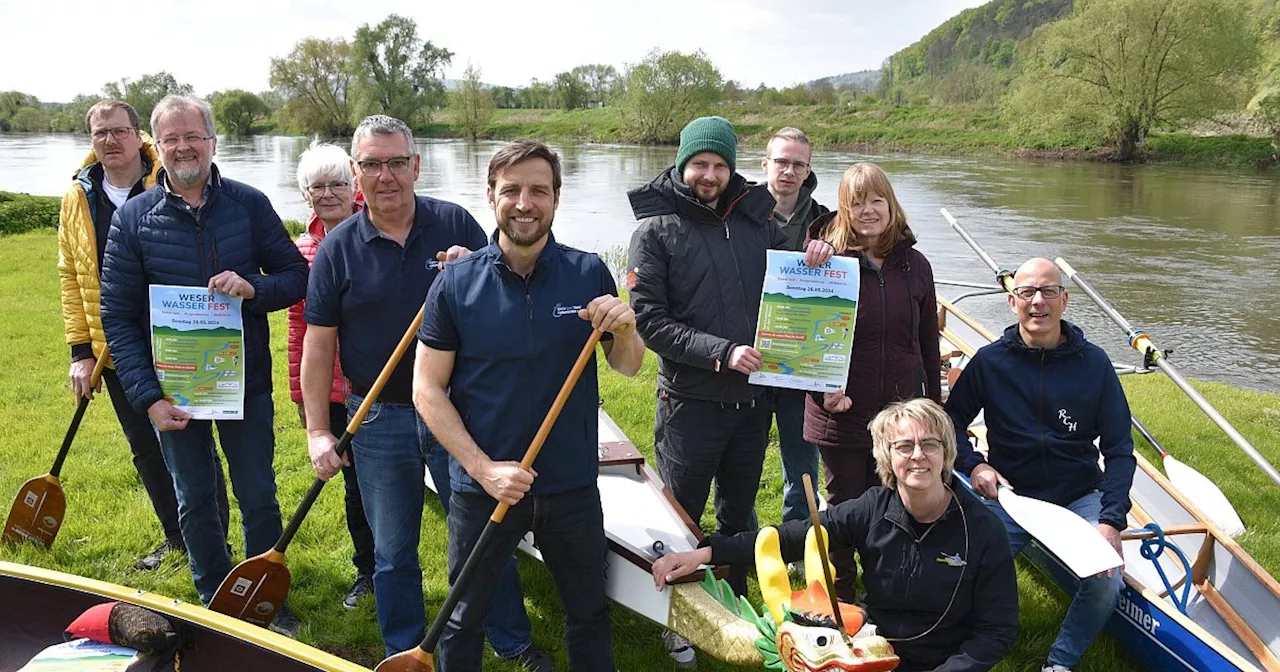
(805,330)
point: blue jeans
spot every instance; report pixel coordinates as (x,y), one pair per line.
(391,448)
(249,446)
(568,528)
(799,457)
(1095,598)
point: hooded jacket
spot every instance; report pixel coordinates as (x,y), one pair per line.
(895,344)
(911,571)
(695,279)
(1044,407)
(796,228)
(78,254)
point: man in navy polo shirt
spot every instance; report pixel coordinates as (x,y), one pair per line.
(503,328)
(369,277)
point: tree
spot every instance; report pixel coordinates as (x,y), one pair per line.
(598,79)
(400,75)
(571,91)
(538,95)
(504,97)
(11,103)
(666,90)
(144,92)
(1119,68)
(236,110)
(317,83)
(470,105)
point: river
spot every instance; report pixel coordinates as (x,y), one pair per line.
(1190,255)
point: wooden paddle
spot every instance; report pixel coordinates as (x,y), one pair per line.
(1073,539)
(1197,487)
(255,588)
(38,509)
(828,581)
(419,659)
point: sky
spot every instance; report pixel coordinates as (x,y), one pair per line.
(55,51)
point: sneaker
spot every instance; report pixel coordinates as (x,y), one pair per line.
(1054,667)
(285,622)
(153,559)
(363,586)
(534,660)
(679,649)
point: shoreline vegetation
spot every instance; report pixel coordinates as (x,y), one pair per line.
(109,521)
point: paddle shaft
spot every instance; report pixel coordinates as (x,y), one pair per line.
(828,581)
(56,470)
(1146,434)
(500,512)
(344,443)
(1142,343)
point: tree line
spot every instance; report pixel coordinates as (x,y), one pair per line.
(1084,74)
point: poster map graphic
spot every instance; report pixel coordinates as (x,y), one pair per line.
(805,329)
(197,346)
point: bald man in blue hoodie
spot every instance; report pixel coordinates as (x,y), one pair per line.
(1048,394)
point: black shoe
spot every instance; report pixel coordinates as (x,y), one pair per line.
(363,586)
(534,660)
(154,558)
(285,623)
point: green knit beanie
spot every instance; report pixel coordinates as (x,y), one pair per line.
(708,134)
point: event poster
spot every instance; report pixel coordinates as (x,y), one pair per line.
(197,346)
(805,329)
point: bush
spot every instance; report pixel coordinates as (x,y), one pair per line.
(294,227)
(20,213)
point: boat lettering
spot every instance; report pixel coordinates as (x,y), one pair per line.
(1134,612)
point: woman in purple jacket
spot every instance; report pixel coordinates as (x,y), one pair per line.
(895,338)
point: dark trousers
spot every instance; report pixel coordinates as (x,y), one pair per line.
(568,528)
(698,442)
(149,461)
(357,524)
(851,470)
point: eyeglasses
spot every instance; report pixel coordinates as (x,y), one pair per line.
(1027,293)
(170,143)
(907,448)
(373,167)
(317,190)
(118,133)
(799,167)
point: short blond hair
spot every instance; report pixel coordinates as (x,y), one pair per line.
(929,416)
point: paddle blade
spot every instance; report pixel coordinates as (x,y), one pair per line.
(1205,495)
(413,660)
(1073,539)
(254,590)
(37,511)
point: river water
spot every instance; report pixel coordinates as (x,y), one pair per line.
(1189,255)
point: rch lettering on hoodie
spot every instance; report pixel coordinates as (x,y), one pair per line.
(1066,420)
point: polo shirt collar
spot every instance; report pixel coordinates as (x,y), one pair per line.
(368,232)
(549,251)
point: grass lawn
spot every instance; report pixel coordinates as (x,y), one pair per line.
(109,523)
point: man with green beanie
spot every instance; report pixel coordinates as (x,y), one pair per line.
(695,273)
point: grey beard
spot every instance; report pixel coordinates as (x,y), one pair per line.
(188,177)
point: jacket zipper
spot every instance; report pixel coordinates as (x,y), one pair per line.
(884,321)
(1044,444)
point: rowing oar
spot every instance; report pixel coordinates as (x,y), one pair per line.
(1141,342)
(1203,492)
(37,511)
(1200,490)
(819,538)
(419,659)
(255,588)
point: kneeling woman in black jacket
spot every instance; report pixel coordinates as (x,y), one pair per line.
(936,565)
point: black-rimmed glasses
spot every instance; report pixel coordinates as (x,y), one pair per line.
(1028,292)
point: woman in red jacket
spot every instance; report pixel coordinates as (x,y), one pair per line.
(327,181)
(895,337)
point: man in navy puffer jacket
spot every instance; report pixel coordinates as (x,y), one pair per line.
(1047,394)
(196,228)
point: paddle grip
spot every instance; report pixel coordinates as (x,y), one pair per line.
(548,422)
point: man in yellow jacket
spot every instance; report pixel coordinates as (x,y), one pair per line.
(122,164)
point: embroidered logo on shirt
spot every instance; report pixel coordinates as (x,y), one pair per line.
(560,310)
(434,264)
(1066,420)
(953,560)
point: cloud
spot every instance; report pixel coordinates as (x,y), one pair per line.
(80,45)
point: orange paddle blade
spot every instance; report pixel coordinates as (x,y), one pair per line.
(254,590)
(413,660)
(37,511)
